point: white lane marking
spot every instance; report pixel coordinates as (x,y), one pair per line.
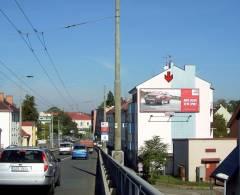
(66,158)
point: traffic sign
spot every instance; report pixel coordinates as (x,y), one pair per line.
(104,127)
(45,118)
(104,137)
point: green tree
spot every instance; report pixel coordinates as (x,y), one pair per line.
(154,156)
(109,102)
(110,99)
(219,125)
(232,105)
(29,110)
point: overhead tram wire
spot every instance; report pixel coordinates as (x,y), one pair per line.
(47,52)
(35,56)
(70,26)
(19,86)
(24,83)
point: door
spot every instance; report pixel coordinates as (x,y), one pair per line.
(210,167)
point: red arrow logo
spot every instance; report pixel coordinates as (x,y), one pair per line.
(169,76)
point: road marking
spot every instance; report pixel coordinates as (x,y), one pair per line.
(65,158)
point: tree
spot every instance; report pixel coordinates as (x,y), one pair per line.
(154,156)
(219,125)
(232,105)
(110,99)
(109,102)
(29,110)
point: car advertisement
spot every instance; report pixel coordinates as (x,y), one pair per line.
(169,100)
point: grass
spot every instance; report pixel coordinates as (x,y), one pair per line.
(168,179)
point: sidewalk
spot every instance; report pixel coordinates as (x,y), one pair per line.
(170,189)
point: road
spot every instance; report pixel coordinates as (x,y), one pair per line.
(78,176)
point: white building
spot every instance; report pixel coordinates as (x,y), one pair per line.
(173,104)
(195,159)
(84,122)
(9,121)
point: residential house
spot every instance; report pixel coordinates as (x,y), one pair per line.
(229,170)
(83,120)
(29,132)
(9,121)
(174,104)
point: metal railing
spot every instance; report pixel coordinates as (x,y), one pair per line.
(123,181)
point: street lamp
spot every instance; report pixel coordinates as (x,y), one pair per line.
(225,178)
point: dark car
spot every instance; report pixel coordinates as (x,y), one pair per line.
(157,97)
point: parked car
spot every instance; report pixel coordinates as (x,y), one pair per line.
(65,148)
(29,167)
(80,151)
(157,97)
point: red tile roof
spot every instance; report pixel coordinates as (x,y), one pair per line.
(79,116)
(27,123)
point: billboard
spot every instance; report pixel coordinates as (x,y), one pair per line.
(169,100)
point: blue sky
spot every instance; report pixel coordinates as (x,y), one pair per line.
(204,33)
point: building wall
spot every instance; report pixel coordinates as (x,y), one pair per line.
(203,129)
(184,79)
(5,125)
(180,156)
(197,152)
(146,129)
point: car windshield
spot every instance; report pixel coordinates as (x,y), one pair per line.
(23,156)
(79,147)
(65,145)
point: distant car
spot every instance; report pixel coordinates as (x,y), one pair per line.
(65,148)
(29,167)
(157,97)
(80,151)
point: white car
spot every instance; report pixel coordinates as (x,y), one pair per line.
(65,148)
(29,167)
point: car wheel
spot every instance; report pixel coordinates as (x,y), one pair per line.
(73,158)
(51,189)
(58,182)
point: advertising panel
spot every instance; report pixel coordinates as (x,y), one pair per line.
(169,100)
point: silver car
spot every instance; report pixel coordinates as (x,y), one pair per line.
(28,166)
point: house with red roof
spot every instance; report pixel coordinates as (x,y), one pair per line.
(29,133)
(83,121)
(9,121)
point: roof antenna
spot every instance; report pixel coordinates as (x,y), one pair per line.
(168,62)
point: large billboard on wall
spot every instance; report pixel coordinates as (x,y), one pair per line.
(169,100)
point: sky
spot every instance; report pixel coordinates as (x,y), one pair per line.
(80,59)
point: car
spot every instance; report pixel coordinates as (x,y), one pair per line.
(157,97)
(80,151)
(65,148)
(30,167)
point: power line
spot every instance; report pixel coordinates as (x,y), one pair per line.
(23,82)
(19,86)
(72,25)
(46,50)
(35,55)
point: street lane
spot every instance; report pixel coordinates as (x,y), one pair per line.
(78,176)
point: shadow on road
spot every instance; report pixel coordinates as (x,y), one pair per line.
(82,170)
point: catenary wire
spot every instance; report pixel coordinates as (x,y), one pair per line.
(35,56)
(46,51)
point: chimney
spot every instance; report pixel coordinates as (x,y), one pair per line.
(1,96)
(9,99)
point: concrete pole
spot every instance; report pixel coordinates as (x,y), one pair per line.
(52,133)
(104,116)
(117,154)
(58,132)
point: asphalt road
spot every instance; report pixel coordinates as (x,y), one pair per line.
(78,176)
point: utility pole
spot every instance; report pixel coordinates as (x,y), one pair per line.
(51,136)
(104,116)
(117,153)
(58,132)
